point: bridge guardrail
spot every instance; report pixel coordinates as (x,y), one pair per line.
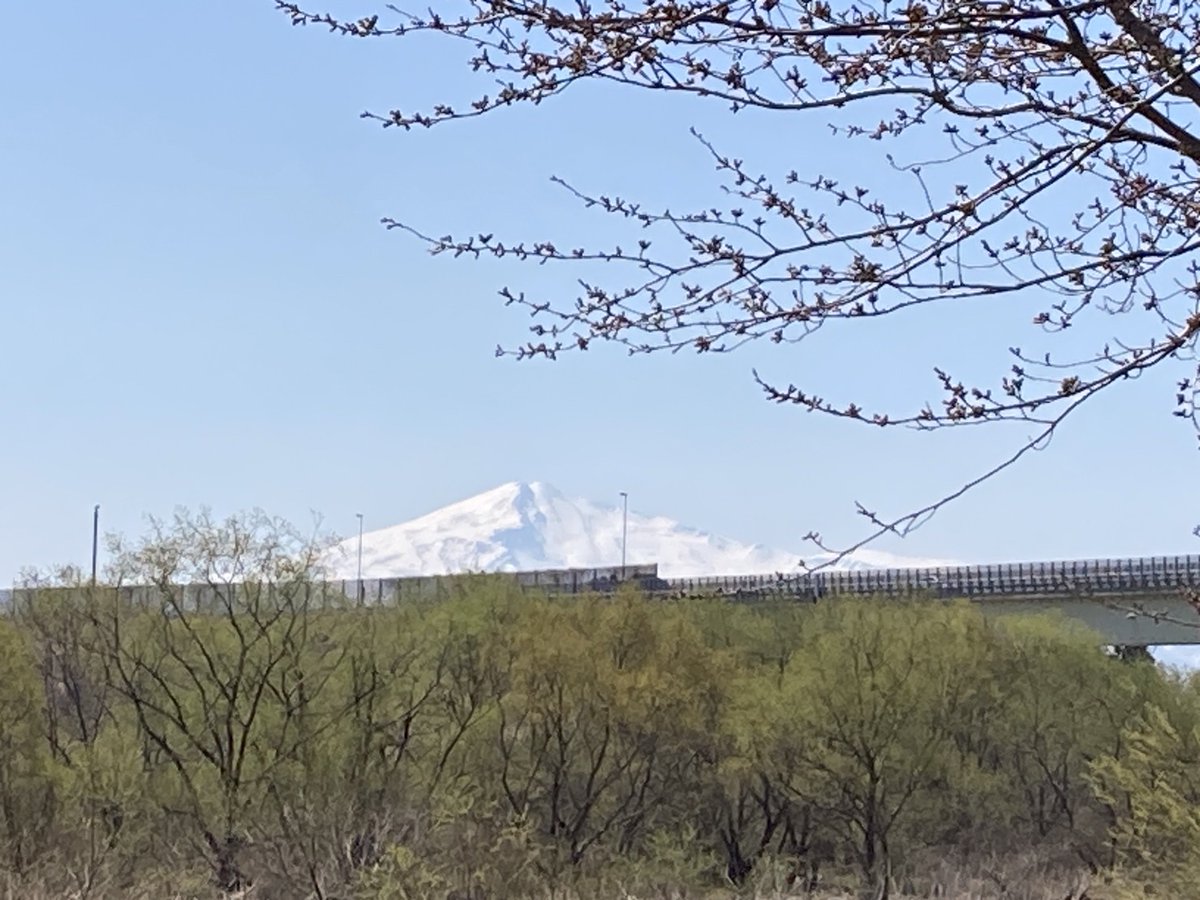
(1047,579)
(1060,578)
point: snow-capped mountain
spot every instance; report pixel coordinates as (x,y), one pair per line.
(524,526)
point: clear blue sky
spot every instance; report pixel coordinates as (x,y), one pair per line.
(198,306)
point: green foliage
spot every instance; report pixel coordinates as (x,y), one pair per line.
(26,782)
(1154,783)
(262,733)
(862,726)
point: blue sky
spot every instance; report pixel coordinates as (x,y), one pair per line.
(199,307)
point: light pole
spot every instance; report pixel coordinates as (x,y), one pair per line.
(360,532)
(95,539)
(624,528)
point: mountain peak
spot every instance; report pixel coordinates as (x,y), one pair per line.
(523,525)
(525,496)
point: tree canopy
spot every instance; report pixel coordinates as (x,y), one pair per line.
(202,738)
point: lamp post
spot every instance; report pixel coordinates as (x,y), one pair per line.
(360,534)
(624,528)
(95,539)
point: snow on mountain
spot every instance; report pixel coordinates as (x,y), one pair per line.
(523,526)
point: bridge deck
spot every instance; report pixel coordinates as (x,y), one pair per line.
(1135,602)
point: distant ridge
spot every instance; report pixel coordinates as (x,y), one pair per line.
(532,525)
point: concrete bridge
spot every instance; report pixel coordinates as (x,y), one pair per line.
(1139,602)
(1136,602)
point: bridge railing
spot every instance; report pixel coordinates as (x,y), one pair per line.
(1037,579)
(427,587)
(1069,577)
(568,581)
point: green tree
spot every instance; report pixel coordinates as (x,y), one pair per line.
(862,720)
(27,786)
(219,720)
(612,708)
(1065,704)
(215,655)
(1155,787)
